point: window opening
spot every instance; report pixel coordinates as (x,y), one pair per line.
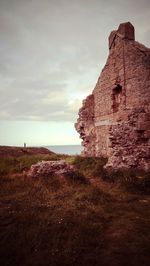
(116,97)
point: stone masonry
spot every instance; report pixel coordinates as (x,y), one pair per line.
(114,121)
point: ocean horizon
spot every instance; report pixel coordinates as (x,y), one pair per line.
(66,149)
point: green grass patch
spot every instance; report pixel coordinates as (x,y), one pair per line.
(90,166)
(9,165)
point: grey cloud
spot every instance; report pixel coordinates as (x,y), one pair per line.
(35,100)
(52,50)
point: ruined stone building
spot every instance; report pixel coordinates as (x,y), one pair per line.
(114,121)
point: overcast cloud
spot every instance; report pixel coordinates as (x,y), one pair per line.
(52,52)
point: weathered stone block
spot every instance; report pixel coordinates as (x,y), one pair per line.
(111,38)
(143,125)
(126,30)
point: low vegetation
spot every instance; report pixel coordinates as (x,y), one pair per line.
(10,165)
(50,222)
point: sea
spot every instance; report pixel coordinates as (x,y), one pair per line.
(66,149)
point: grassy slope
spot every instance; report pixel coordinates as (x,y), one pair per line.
(7,151)
(49,222)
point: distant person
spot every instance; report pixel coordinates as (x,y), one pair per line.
(24,145)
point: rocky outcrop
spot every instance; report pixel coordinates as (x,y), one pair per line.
(46,168)
(114,120)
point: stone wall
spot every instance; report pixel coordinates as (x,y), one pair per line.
(121,93)
(129,141)
(85,125)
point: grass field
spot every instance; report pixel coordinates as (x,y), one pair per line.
(49,222)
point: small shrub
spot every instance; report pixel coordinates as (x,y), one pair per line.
(132,179)
(9,165)
(90,166)
(76,177)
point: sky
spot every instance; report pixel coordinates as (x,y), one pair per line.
(51,54)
